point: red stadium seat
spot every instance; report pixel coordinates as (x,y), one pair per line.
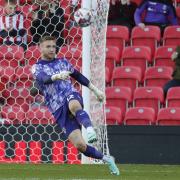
(169,117)
(157,76)
(139,116)
(68,16)
(137,56)
(39,115)
(35,99)
(172,36)
(113,56)
(176,2)
(22,2)
(149,97)
(119,97)
(1,13)
(17,97)
(66,6)
(150,37)
(24,76)
(173,97)
(128,76)
(11,55)
(73,54)
(178,13)
(108,78)
(117,36)
(136,1)
(2,3)
(75,36)
(32,55)
(13,113)
(6,77)
(27,25)
(113,115)
(163,56)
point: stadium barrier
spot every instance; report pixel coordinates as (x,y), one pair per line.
(128,144)
(145,144)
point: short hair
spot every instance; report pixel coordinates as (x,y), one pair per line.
(47,38)
(11,1)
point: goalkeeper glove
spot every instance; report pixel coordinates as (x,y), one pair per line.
(61,76)
(98,93)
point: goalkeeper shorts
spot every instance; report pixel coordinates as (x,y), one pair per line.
(65,120)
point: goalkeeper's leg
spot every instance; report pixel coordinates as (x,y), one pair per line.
(77,140)
(75,107)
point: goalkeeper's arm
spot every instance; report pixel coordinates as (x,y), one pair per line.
(84,81)
(47,79)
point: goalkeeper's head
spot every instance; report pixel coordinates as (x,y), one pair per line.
(47,46)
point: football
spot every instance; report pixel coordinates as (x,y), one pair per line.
(83,17)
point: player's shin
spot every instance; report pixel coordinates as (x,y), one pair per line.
(83,118)
(93,153)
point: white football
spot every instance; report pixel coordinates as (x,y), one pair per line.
(83,17)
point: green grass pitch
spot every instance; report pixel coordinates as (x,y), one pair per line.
(80,172)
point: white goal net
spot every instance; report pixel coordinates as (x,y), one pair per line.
(27,130)
(98,55)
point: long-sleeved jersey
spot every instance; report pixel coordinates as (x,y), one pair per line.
(55,92)
(157,11)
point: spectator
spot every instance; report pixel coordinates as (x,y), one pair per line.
(48,20)
(156,12)
(122,13)
(12,25)
(176,74)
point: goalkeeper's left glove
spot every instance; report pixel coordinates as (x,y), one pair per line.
(98,93)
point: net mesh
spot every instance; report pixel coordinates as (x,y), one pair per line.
(98,52)
(28,131)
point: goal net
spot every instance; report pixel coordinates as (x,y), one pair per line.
(98,55)
(28,132)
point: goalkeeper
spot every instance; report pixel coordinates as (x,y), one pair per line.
(52,76)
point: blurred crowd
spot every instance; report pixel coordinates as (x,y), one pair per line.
(42,17)
(160,13)
(46,17)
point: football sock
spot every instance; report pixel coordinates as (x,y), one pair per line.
(92,152)
(83,118)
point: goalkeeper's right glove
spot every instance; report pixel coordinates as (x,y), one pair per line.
(61,76)
(98,93)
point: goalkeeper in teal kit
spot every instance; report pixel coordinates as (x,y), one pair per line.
(52,77)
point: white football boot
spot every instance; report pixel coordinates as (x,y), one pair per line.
(112,165)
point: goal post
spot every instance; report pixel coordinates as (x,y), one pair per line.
(93,66)
(98,52)
(86,61)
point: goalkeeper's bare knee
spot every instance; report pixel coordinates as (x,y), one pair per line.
(74,106)
(81,147)
(77,140)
